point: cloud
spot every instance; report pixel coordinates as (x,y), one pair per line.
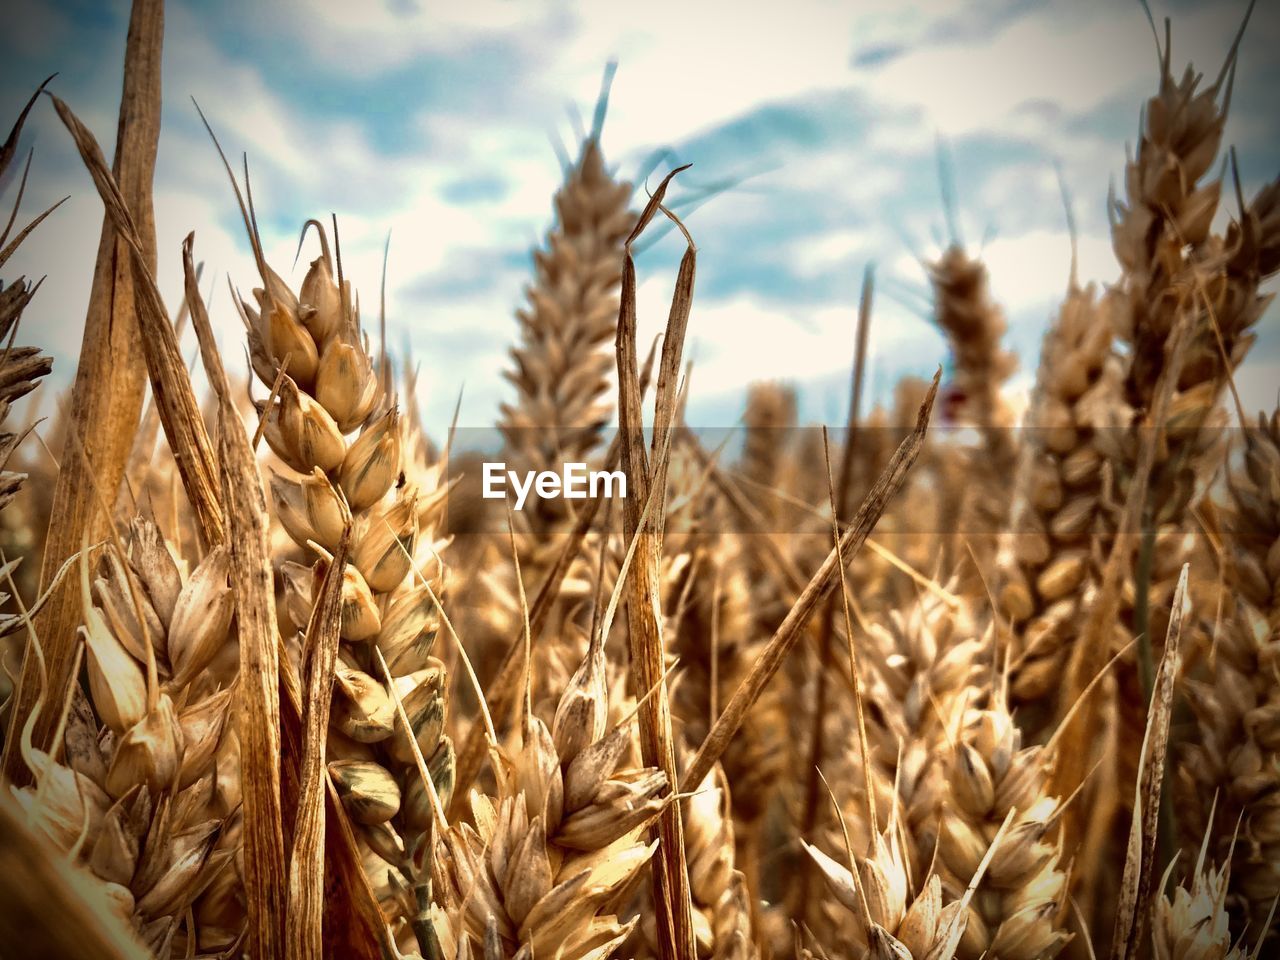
(1031,270)
(367,39)
(735,341)
(432,122)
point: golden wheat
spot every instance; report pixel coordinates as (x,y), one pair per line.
(681,760)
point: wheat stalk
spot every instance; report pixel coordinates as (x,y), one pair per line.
(561,364)
(1019,912)
(891,920)
(560,373)
(311,345)
(151,762)
(544,865)
(1183,342)
(975,326)
(109,380)
(1230,765)
(21,368)
(259,761)
(1044,559)
(1193,922)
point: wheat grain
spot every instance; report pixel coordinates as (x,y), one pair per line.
(390,589)
(1043,560)
(106,398)
(1231,764)
(150,753)
(545,864)
(981,366)
(1193,922)
(21,369)
(561,366)
(226,791)
(1018,913)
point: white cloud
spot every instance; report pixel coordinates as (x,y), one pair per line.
(833,250)
(1071,57)
(1032,270)
(742,339)
(685,70)
(365,39)
(1256,381)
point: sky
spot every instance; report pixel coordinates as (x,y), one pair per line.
(822,123)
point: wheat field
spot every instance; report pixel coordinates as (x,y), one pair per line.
(280,683)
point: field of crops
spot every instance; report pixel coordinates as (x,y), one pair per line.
(281,683)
